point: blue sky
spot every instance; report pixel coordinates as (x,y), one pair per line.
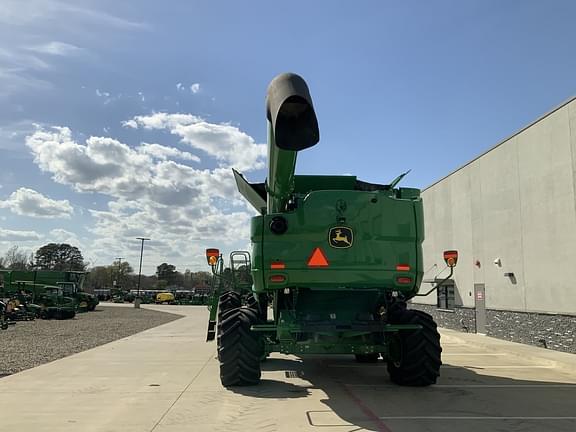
(121,119)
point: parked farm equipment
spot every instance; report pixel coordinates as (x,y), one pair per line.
(4,322)
(338,259)
(33,283)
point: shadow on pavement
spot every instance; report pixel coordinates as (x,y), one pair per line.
(361,397)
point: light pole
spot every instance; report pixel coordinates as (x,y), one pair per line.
(137,301)
(119,270)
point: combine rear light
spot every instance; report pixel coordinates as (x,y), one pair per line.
(451,258)
(212,255)
(277,278)
(277,265)
(402,267)
(317,259)
(404,280)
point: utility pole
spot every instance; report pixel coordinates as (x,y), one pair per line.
(137,301)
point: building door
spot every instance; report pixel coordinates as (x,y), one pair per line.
(480,305)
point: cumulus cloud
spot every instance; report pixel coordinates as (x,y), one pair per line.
(11,235)
(28,202)
(152,192)
(60,235)
(222,141)
(159,151)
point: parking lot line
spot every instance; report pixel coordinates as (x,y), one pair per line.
(473,418)
(499,367)
(543,386)
(383,365)
(474,354)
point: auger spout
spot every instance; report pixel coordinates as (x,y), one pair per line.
(292,126)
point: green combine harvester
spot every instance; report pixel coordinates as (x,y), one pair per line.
(336,258)
(63,289)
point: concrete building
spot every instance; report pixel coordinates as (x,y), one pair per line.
(511,214)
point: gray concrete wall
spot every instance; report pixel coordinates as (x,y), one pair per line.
(516,202)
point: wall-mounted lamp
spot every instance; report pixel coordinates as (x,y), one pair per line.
(498,262)
(512,277)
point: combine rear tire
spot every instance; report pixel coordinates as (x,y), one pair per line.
(228,300)
(415,355)
(239,349)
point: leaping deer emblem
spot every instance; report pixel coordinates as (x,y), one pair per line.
(341,237)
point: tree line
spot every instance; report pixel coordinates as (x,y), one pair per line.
(121,275)
(53,256)
(64,257)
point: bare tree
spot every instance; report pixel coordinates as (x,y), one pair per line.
(16,259)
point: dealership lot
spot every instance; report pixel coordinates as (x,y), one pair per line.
(166,379)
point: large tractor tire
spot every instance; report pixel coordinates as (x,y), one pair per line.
(239,349)
(227,301)
(414,355)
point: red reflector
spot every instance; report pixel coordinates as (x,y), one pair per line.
(277,278)
(317,259)
(277,265)
(404,280)
(402,267)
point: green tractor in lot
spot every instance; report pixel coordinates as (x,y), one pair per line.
(69,282)
(54,304)
(336,258)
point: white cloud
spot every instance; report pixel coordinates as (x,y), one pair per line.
(28,202)
(183,209)
(130,123)
(224,142)
(100,93)
(107,166)
(11,235)
(159,151)
(195,88)
(60,235)
(179,86)
(55,48)
(162,121)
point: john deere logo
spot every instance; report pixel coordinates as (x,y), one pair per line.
(340,237)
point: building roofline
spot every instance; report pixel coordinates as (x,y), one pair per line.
(539,119)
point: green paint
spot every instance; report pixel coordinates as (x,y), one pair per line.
(364,231)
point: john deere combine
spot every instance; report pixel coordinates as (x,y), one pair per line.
(336,257)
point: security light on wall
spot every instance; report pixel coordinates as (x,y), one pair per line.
(498,262)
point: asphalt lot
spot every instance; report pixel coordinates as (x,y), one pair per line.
(166,380)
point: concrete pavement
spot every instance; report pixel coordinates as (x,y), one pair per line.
(166,380)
